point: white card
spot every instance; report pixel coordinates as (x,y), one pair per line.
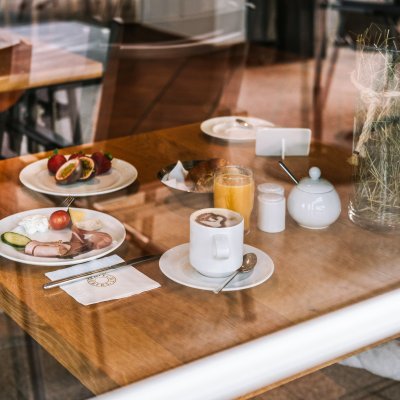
(283,142)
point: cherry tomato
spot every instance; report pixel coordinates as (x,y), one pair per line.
(59,219)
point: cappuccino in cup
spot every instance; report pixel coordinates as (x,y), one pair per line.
(216,241)
(214,220)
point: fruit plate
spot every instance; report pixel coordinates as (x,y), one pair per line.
(110,225)
(36,176)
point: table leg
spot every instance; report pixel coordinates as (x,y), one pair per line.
(14,136)
(3,116)
(35,368)
(74,116)
(320,47)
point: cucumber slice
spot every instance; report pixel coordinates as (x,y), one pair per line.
(15,239)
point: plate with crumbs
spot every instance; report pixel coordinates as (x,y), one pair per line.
(234,129)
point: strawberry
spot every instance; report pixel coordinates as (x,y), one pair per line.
(55,161)
(102,161)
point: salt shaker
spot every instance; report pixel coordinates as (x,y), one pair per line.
(270,188)
(271,208)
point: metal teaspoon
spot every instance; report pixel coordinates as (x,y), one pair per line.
(243,123)
(249,262)
(289,172)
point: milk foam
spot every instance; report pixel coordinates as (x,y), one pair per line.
(214,220)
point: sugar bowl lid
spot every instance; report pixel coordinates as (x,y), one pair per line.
(314,183)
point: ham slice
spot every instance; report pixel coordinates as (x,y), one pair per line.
(47,249)
(81,242)
(98,240)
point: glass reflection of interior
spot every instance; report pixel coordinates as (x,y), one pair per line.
(74,72)
(177,62)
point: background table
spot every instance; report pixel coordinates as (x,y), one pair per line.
(53,56)
(58,55)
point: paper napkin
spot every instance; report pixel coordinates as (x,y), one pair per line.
(176,177)
(114,284)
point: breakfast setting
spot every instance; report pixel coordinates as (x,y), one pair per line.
(216,222)
(216,257)
(189,211)
(69,236)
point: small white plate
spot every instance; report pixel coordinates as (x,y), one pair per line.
(36,177)
(226,128)
(110,225)
(174,264)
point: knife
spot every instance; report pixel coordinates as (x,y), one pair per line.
(96,272)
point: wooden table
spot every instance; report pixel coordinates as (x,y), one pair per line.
(46,64)
(43,60)
(37,64)
(323,281)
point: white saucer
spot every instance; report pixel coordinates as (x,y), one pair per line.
(226,128)
(174,264)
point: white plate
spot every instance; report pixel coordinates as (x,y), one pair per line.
(226,128)
(36,176)
(174,264)
(110,225)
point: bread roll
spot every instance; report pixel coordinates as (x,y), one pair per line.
(202,175)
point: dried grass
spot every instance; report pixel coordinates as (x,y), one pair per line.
(376,155)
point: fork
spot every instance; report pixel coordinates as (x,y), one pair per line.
(67,201)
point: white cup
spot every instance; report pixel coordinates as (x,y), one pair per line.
(216,250)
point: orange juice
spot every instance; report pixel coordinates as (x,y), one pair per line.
(236,192)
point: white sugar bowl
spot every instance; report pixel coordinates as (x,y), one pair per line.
(314,202)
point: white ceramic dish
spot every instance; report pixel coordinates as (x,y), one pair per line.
(36,176)
(110,225)
(226,128)
(174,264)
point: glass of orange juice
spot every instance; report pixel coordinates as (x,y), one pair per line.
(234,190)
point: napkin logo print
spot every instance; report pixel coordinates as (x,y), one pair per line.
(102,280)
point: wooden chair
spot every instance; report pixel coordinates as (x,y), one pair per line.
(156,80)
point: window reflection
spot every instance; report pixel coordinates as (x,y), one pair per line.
(101,69)
(77,71)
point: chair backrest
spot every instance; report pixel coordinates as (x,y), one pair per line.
(155,80)
(357,16)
